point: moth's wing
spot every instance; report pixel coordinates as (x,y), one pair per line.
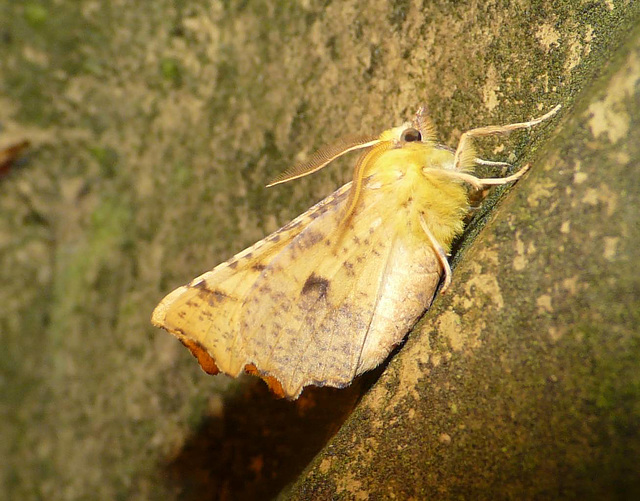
(335,310)
(205,313)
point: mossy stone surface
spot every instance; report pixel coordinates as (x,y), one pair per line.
(155,127)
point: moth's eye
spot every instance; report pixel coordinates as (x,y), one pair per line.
(411,135)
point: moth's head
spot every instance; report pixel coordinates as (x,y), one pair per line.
(419,131)
(405,134)
(418,136)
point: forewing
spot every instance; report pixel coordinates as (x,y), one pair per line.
(327,309)
(205,313)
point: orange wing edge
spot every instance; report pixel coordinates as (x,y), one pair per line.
(206,361)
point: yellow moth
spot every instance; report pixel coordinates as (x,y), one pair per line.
(328,296)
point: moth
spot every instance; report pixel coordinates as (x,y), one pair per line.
(328,296)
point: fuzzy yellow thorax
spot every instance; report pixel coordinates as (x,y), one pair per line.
(415,177)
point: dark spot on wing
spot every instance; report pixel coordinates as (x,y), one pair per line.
(310,238)
(217,294)
(349,268)
(291,226)
(315,285)
(258,267)
(200,284)
(216,297)
(220,295)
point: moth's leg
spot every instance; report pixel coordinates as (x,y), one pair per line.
(490,163)
(492,130)
(440,254)
(479,183)
(493,181)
